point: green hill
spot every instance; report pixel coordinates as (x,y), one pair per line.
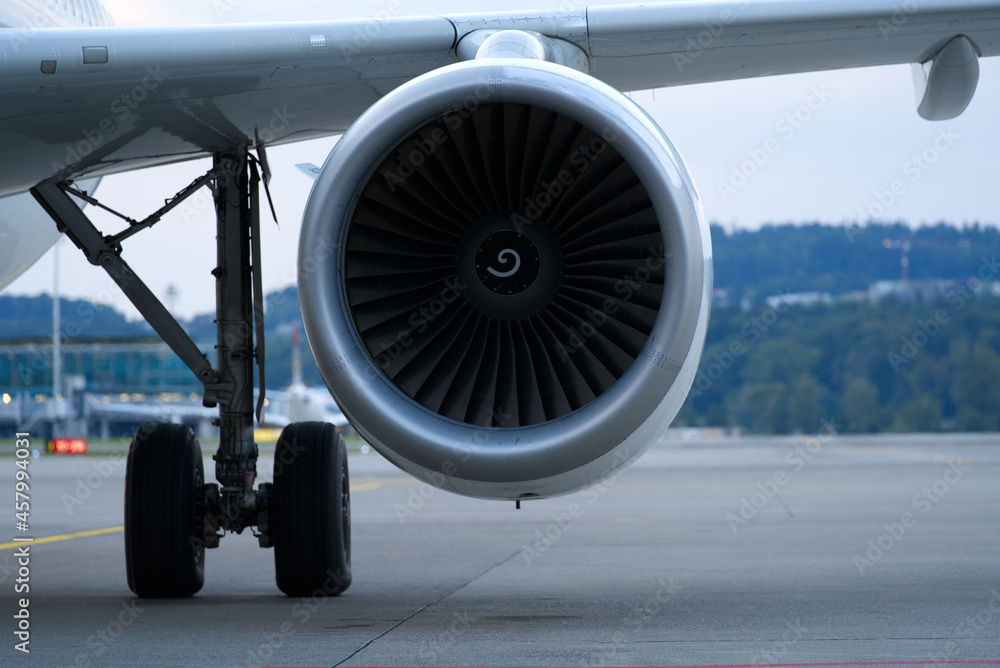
(923,363)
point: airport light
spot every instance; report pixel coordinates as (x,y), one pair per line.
(68,446)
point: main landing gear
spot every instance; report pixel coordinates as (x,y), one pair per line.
(164,513)
(171,514)
(312,510)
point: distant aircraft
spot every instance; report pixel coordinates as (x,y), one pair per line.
(504,270)
(299,402)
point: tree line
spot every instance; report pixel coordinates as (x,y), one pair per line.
(865,367)
(837,259)
(894,365)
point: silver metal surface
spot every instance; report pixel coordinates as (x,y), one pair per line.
(946,84)
(173,93)
(169,94)
(555,457)
(521,44)
(645,46)
(26,233)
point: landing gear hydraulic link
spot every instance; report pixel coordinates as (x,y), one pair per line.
(171,514)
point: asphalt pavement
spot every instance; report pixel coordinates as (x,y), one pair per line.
(812,549)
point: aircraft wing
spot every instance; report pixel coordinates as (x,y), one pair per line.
(102,100)
(644,46)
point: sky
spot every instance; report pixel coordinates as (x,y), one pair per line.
(824,147)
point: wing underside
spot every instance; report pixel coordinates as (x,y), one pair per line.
(101,100)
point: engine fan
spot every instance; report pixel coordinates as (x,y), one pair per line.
(505,278)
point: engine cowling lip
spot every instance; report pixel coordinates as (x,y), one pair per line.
(419,441)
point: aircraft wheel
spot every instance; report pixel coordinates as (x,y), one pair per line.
(164,482)
(312,511)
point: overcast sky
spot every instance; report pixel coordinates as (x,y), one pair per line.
(829,164)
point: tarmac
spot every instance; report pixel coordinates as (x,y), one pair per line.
(812,549)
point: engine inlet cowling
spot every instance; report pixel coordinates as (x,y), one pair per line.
(504,278)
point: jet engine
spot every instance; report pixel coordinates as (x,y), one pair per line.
(505,278)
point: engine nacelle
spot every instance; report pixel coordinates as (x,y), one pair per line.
(505,278)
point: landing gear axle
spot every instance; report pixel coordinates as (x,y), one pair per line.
(171,515)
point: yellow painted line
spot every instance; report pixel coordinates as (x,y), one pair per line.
(65,536)
(364,487)
(369,484)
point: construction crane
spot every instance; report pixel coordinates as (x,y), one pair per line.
(904,246)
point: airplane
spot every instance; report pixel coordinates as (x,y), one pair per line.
(298,402)
(504,270)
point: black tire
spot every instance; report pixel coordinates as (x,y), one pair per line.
(164,482)
(311,511)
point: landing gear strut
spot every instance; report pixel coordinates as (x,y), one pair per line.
(171,514)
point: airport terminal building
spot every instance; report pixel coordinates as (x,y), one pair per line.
(105,388)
